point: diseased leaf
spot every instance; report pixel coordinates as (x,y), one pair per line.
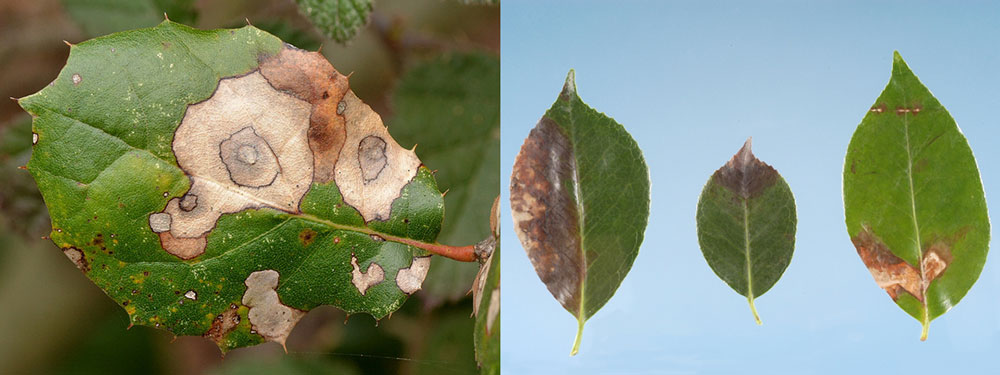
(221,183)
(914,201)
(579,196)
(339,20)
(450,107)
(100,17)
(487,311)
(746,225)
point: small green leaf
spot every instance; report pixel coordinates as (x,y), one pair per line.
(449,107)
(339,20)
(746,225)
(914,201)
(579,195)
(193,175)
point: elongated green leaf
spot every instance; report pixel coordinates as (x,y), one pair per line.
(579,195)
(913,200)
(338,19)
(746,225)
(221,183)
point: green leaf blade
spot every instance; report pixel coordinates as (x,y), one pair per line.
(913,199)
(580,201)
(746,225)
(115,152)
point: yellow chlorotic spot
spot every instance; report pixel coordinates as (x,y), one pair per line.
(130,309)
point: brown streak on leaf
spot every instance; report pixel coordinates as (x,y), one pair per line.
(896,275)
(223,324)
(310,77)
(745,174)
(545,216)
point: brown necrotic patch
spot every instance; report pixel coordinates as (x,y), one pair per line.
(371,157)
(307,236)
(310,77)
(79,260)
(545,215)
(223,324)
(248,159)
(895,275)
(410,279)
(744,174)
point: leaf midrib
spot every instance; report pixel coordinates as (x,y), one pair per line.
(913,212)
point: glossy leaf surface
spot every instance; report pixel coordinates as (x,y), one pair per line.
(746,225)
(580,201)
(222,183)
(914,201)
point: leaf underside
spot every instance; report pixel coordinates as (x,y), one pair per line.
(914,201)
(746,225)
(580,202)
(221,183)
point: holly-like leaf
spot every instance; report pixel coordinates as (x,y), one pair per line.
(339,20)
(914,201)
(579,196)
(450,107)
(222,183)
(746,225)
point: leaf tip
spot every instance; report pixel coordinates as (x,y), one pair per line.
(569,88)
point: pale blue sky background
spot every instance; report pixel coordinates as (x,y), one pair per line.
(691,81)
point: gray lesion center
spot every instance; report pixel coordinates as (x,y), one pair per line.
(249,159)
(371,157)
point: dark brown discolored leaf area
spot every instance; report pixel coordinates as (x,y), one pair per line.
(545,215)
(744,174)
(896,276)
(579,197)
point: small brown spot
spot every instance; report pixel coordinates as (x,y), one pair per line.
(336,239)
(306,236)
(76,79)
(79,259)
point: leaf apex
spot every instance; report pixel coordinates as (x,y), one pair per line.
(569,88)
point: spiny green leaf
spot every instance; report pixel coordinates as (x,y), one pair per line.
(579,195)
(450,107)
(194,176)
(338,19)
(914,201)
(746,225)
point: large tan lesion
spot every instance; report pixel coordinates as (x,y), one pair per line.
(372,168)
(262,139)
(268,316)
(245,147)
(895,275)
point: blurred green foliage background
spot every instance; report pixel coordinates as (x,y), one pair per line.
(429,67)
